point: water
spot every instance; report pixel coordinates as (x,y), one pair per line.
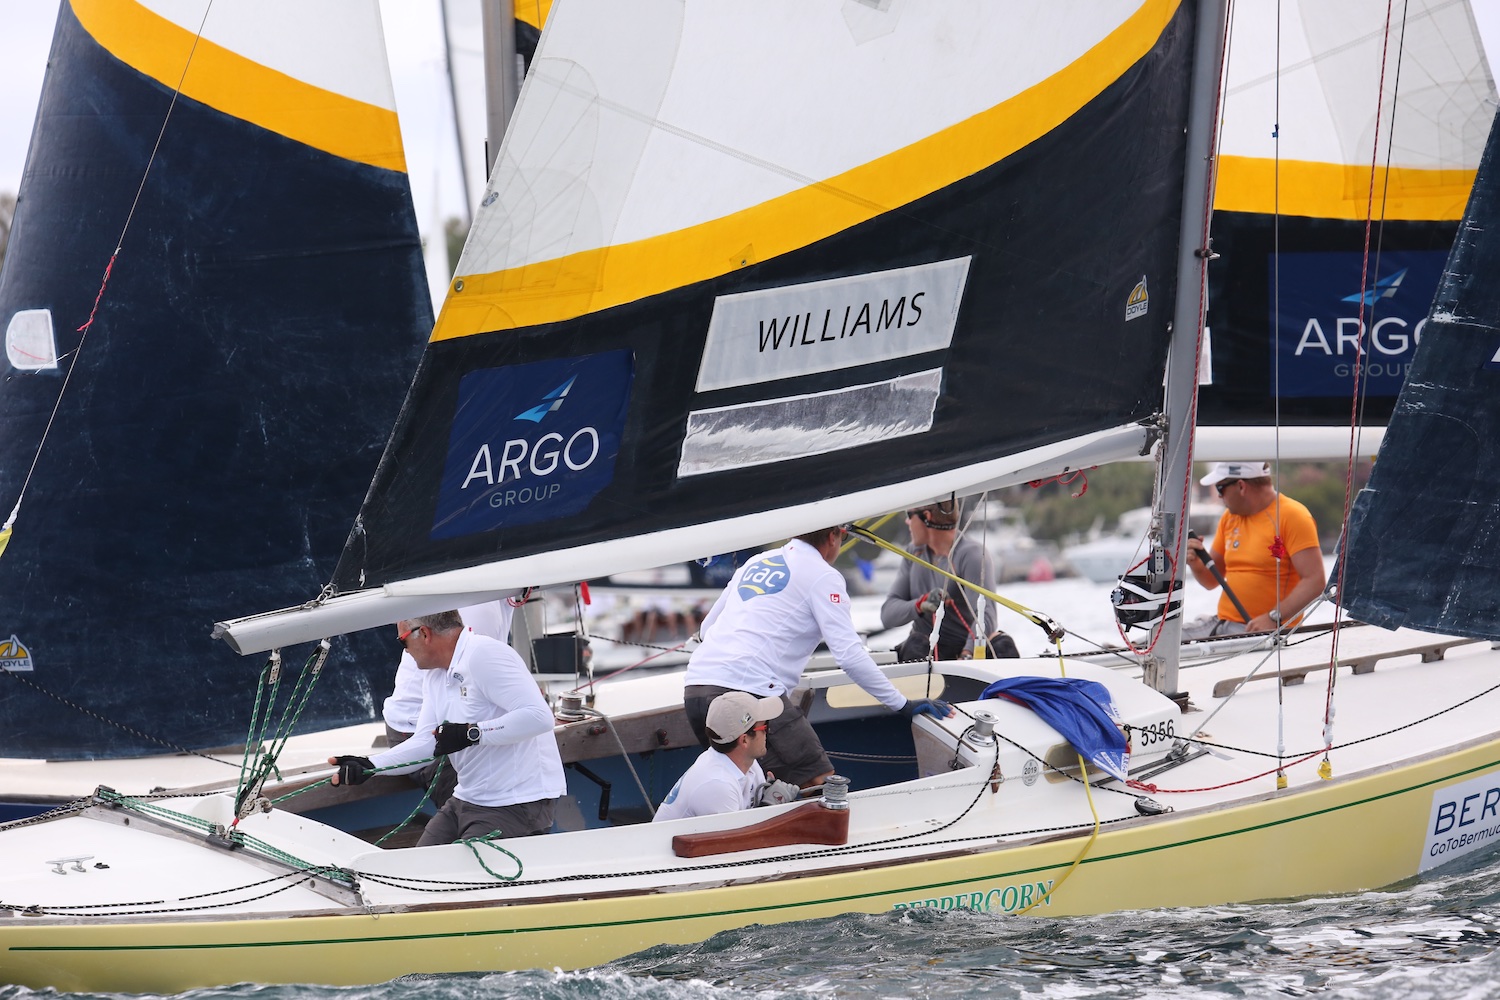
(1438,937)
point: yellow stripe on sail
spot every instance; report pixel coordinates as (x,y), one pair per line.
(4,539)
(533,12)
(585,282)
(240,87)
(1340,191)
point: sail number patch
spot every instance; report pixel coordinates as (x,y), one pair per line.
(534,442)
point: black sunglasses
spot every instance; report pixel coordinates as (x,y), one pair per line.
(1221,487)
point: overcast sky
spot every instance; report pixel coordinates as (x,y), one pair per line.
(414,37)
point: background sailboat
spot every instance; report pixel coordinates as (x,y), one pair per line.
(1333,114)
(223,415)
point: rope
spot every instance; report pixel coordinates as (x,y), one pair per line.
(1046,624)
(179,748)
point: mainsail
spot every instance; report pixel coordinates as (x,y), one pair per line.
(1422,549)
(225,412)
(698,310)
(1333,114)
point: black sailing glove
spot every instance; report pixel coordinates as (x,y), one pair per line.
(353,770)
(455,736)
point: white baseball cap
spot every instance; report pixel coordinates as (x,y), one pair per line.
(732,714)
(1235,470)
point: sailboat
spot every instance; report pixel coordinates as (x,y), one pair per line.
(211,305)
(1318,128)
(597,393)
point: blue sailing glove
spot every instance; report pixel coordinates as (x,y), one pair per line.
(927,706)
(353,770)
(455,736)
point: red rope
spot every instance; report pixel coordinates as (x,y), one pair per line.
(105,281)
(638,663)
(1148,787)
(1066,479)
(1359,369)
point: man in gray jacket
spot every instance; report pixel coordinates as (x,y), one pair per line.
(918,591)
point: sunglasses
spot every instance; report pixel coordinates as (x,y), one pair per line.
(1221,487)
(760,727)
(403,636)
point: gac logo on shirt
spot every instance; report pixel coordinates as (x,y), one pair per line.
(834,598)
(767,575)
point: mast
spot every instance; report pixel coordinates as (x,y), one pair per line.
(458,128)
(1187,324)
(500,89)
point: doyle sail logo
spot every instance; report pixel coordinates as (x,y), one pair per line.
(768,575)
(520,456)
(1138,302)
(14,655)
(1325,335)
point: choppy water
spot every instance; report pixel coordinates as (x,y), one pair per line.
(1436,937)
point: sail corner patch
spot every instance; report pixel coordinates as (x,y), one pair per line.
(30,344)
(533,442)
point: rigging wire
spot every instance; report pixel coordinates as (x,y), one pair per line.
(1359,385)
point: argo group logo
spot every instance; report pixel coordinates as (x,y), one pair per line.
(532,442)
(1323,340)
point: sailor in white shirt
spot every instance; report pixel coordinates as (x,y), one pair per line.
(401,709)
(481,707)
(759,636)
(726,776)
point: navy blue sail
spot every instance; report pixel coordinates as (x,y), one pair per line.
(1424,536)
(225,412)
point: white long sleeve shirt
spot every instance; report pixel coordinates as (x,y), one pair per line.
(765,625)
(516,759)
(714,784)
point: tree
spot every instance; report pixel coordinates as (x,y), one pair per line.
(7,216)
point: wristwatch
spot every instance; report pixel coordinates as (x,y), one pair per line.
(472,733)
(1275,615)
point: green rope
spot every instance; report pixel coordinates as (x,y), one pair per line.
(236,837)
(474,843)
(426,797)
(378,770)
(255,737)
(265,758)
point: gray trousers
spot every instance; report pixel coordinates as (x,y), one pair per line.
(460,820)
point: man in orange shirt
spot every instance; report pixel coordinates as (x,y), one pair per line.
(1266,546)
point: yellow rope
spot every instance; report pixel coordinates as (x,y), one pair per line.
(867,525)
(1054,633)
(1093,836)
(1046,624)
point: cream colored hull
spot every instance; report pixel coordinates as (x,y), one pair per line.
(1356,833)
